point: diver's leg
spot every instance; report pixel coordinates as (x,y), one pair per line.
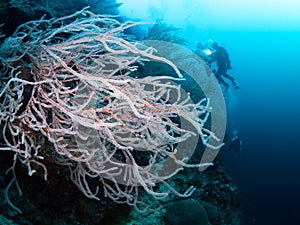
(221,80)
(233,80)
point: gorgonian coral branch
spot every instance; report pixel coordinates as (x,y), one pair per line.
(69,80)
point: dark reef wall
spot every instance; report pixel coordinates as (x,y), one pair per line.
(15,12)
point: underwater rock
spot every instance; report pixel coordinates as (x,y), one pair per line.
(186,212)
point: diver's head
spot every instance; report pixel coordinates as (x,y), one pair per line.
(215,45)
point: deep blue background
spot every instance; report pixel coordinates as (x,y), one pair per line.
(266,112)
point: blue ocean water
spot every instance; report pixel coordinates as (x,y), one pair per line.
(265,112)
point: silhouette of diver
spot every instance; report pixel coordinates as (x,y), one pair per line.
(235,143)
(221,56)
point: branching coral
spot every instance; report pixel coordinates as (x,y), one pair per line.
(68,79)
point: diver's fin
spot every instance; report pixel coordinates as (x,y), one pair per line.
(236,85)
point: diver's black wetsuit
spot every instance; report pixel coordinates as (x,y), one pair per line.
(223,62)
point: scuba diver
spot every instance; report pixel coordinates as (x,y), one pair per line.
(221,57)
(235,143)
